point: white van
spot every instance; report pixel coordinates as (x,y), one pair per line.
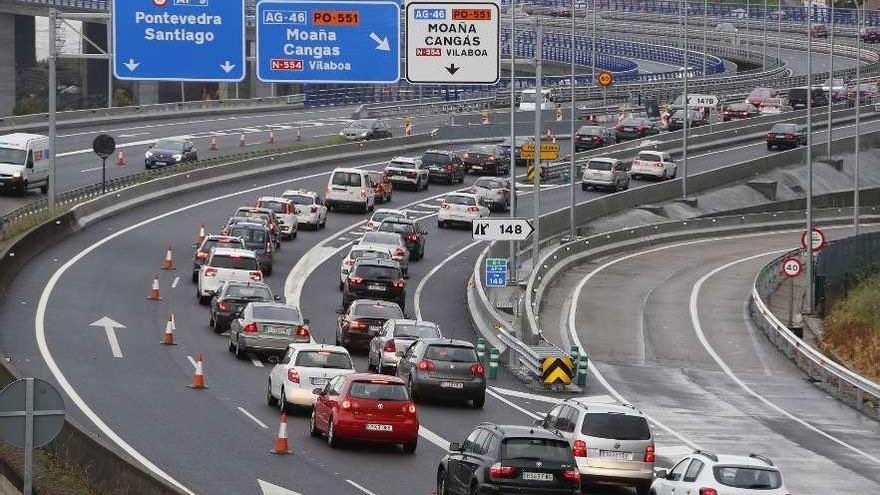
(527,100)
(24,162)
(352,188)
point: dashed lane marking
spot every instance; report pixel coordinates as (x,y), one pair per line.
(175,282)
(359,487)
(252,418)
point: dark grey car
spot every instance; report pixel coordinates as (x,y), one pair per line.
(258,239)
(168,152)
(444,369)
(232,297)
(395,339)
(267,328)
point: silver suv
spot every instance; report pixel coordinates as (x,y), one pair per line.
(612,443)
(607,173)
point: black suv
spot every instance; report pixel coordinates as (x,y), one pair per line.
(373,278)
(414,235)
(798,98)
(590,137)
(509,459)
(443,166)
(232,297)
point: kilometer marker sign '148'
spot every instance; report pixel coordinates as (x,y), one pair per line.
(501,229)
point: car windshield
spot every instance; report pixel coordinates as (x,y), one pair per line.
(373,310)
(416,330)
(373,272)
(460,200)
(489,184)
(212,243)
(299,199)
(15,157)
(347,179)
(784,128)
(405,165)
(361,124)
(590,131)
(749,478)
(599,165)
(400,228)
(249,292)
(436,159)
(169,145)
(250,236)
(381,238)
(543,449)
(368,253)
(451,353)
(276,313)
(376,390)
(275,206)
(382,215)
(234,262)
(482,150)
(323,359)
(616,426)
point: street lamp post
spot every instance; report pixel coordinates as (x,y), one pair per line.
(831,79)
(859,20)
(573,103)
(513,246)
(810,268)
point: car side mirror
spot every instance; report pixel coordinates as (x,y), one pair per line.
(211,293)
(661,474)
(340,310)
(454,447)
(306,321)
(318,391)
(277,298)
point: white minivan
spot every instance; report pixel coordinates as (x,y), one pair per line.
(352,188)
(24,162)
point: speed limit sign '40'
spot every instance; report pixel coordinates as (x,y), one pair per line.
(792,267)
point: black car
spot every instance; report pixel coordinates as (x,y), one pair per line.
(374,278)
(590,137)
(870,34)
(203,250)
(517,150)
(257,238)
(365,130)
(799,97)
(443,166)
(738,111)
(635,129)
(509,459)
(695,118)
(168,152)
(786,136)
(363,320)
(414,235)
(444,369)
(487,158)
(232,297)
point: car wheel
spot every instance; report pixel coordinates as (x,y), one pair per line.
(195,277)
(270,400)
(674,173)
(314,432)
(412,389)
(475,488)
(626,185)
(268,271)
(663,176)
(44,189)
(635,176)
(479,401)
(441,224)
(410,447)
(283,405)
(238,352)
(427,184)
(441,483)
(769,146)
(332,440)
(643,489)
(203,300)
(229,346)
(215,325)
(341,286)
(293,236)
(450,179)
(584,187)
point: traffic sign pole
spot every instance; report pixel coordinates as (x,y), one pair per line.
(687,109)
(536,185)
(514,256)
(810,292)
(572,86)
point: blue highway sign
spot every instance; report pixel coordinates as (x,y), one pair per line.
(496,272)
(328,42)
(179,40)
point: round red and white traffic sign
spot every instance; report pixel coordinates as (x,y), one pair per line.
(160,3)
(792,267)
(817,241)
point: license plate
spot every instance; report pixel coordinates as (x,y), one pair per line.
(278,330)
(477,167)
(375,328)
(376,287)
(320,381)
(613,454)
(628,129)
(161,164)
(452,384)
(537,476)
(378,427)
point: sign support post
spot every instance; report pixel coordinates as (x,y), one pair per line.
(514,256)
(573,103)
(791,303)
(536,185)
(810,292)
(687,110)
(53,97)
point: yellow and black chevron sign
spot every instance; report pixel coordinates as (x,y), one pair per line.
(557,370)
(531,173)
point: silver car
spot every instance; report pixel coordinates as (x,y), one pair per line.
(612,443)
(608,173)
(493,192)
(391,242)
(267,328)
(394,339)
(355,254)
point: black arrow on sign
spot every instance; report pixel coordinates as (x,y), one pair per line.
(453,69)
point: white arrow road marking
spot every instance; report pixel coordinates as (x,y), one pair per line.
(270,489)
(359,487)
(110,327)
(227,67)
(132,65)
(382,43)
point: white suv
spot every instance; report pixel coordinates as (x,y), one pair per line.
(309,208)
(704,473)
(350,187)
(655,164)
(410,172)
(460,208)
(226,265)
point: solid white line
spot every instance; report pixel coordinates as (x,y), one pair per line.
(90,170)
(252,418)
(136,134)
(433,438)
(698,328)
(511,404)
(359,487)
(526,395)
(175,282)
(417,299)
(256,362)
(192,362)
(419,212)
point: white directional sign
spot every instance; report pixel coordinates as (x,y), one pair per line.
(453,42)
(702,101)
(502,229)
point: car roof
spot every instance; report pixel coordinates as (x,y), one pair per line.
(372,376)
(751,460)
(244,253)
(243,283)
(373,302)
(440,152)
(592,405)
(389,210)
(298,192)
(381,236)
(318,347)
(254,209)
(455,342)
(249,225)
(277,199)
(405,159)
(221,237)
(377,262)
(350,170)
(399,220)
(406,321)
(521,431)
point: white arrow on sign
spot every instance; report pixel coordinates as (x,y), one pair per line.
(270,489)
(501,229)
(110,327)
(227,66)
(132,65)
(382,43)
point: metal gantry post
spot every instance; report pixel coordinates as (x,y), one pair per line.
(810,278)
(513,245)
(53,88)
(831,81)
(593,36)
(573,103)
(705,38)
(687,110)
(536,185)
(764,51)
(856,185)
(779,14)
(748,26)
(110,49)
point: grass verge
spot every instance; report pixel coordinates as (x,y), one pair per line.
(852,329)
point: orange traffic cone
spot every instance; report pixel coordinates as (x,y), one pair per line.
(201,235)
(241,141)
(199,377)
(281,446)
(168,339)
(213,144)
(271,137)
(120,159)
(154,292)
(168,262)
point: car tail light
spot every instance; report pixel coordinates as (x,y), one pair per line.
(572,475)
(598,139)
(398,252)
(363,193)
(409,408)
(288,209)
(348,263)
(389,346)
(210,272)
(445,206)
(477,369)
(398,284)
(328,190)
(658,164)
(412,238)
(618,127)
(269,247)
(744,114)
(250,328)
(427,365)
(346,404)
(771,136)
(579,449)
(789,137)
(356,280)
(223,306)
(450,168)
(649,454)
(202,255)
(293,376)
(502,472)
(314,209)
(640,129)
(466,156)
(303,332)
(357,325)
(256,276)
(473,209)
(708,491)
(490,159)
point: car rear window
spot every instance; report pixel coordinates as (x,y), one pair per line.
(797,93)
(234,262)
(436,158)
(387,311)
(489,184)
(276,313)
(242,292)
(544,449)
(649,157)
(243,213)
(273,205)
(400,228)
(460,200)
(616,426)
(382,215)
(373,272)
(482,150)
(451,353)
(632,123)
(356,254)
(250,236)
(749,478)
(301,200)
(590,131)
(405,165)
(362,124)
(323,359)
(415,330)
(212,243)
(783,128)
(599,165)
(381,238)
(375,390)
(346,179)
(760,92)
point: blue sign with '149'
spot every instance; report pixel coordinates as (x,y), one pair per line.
(328,42)
(179,40)
(496,272)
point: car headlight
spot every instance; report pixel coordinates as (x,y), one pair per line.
(363,134)
(342,133)
(148,154)
(177,158)
(16,175)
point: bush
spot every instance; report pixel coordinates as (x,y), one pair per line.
(852,329)
(122,98)
(28,105)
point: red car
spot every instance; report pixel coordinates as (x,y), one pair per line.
(382,187)
(819,31)
(365,407)
(758,95)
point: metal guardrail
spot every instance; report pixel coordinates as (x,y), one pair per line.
(838,381)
